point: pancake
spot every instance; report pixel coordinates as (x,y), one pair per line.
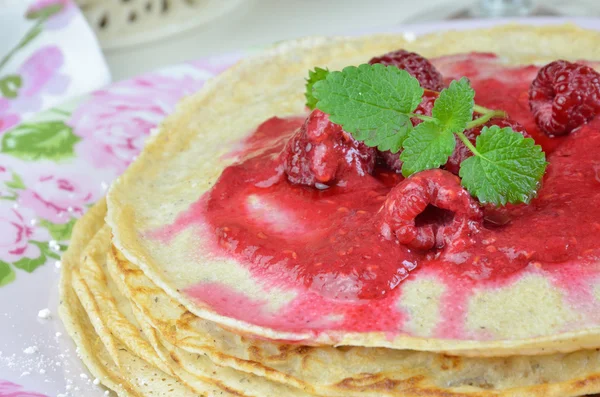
(119,353)
(119,324)
(530,315)
(132,376)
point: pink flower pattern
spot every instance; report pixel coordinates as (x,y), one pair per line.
(18,233)
(60,19)
(115,122)
(57,198)
(112,124)
(40,75)
(9,389)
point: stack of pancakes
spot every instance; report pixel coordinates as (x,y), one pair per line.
(125,287)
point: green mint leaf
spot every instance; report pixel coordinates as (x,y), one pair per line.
(454,107)
(7,274)
(386,140)
(48,140)
(59,232)
(314,76)
(9,86)
(427,146)
(372,102)
(506,168)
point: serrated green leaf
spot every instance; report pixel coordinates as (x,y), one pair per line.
(49,140)
(7,274)
(427,146)
(386,140)
(314,76)
(454,107)
(9,86)
(45,12)
(59,232)
(372,102)
(507,168)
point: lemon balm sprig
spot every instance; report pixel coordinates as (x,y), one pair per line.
(375,104)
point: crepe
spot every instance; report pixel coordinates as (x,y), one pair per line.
(129,355)
(119,324)
(117,369)
(530,315)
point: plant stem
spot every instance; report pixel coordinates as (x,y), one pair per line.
(422,117)
(485,118)
(482,110)
(21,42)
(468,143)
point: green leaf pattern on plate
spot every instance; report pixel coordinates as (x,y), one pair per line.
(50,140)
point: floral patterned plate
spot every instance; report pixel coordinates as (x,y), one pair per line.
(52,168)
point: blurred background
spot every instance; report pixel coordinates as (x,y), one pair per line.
(141,35)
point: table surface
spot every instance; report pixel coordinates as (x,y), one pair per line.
(260,22)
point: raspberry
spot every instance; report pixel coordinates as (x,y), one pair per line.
(320,152)
(419,67)
(563,96)
(461,152)
(426,106)
(392,160)
(414,211)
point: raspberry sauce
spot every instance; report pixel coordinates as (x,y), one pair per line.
(328,244)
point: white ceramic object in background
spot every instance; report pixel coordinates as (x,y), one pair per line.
(123,23)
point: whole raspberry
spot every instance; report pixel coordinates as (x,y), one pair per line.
(320,152)
(563,96)
(408,214)
(392,160)
(419,67)
(461,152)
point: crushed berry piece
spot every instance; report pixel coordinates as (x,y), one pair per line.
(320,152)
